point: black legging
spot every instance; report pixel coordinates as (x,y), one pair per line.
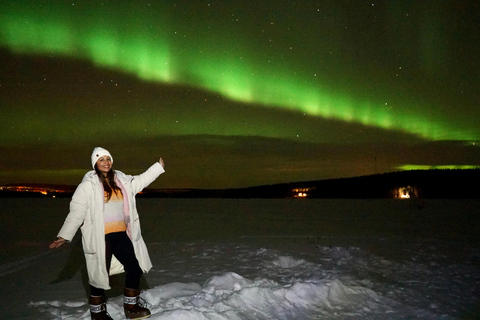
(120,245)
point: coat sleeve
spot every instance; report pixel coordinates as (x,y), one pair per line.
(145,179)
(76,217)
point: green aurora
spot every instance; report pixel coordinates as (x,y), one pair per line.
(307,90)
(193,49)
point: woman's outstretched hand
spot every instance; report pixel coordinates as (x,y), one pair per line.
(161,162)
(57,243)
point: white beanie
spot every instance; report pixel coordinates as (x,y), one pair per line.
(99,152)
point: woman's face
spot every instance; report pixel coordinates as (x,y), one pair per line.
(104,164)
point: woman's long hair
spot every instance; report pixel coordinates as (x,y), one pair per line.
(108,182)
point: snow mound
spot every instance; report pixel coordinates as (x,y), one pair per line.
(226,282)
(230,296)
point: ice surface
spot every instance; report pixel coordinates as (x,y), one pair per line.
(277,260)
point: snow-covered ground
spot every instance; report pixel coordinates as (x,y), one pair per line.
(260,259)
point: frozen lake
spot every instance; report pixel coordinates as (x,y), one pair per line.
(261,259)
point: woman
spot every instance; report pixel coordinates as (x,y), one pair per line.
(103,207)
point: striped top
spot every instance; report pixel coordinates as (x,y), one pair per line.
(113,215)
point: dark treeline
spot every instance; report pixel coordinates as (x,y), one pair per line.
(440,184)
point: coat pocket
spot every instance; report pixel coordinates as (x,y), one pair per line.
(135,229)
(88,244)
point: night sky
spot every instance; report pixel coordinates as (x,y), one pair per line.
(238,93)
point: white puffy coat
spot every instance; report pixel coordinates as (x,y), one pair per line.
(86,213)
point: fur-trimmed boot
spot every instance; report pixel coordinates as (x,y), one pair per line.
(132,307)
(98,308)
